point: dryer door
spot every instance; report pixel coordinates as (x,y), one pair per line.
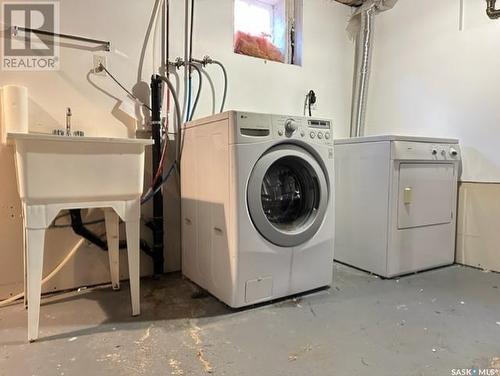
(287,195)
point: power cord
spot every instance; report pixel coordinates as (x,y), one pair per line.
(309,102)
(103,68)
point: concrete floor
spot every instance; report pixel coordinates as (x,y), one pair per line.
(425,324)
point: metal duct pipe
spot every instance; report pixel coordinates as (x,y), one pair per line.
(361,29)
(491,11)
(362,67)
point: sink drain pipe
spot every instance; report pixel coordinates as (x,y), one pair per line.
(78,227)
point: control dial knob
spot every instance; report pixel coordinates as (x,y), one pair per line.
(453,152)
(291,126)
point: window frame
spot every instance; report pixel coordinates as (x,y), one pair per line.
(290,16)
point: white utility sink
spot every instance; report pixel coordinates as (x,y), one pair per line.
(57,173)
(70,169)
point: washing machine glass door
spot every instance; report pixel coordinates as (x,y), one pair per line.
(287,195)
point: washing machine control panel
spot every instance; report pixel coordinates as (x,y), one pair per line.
(318,131)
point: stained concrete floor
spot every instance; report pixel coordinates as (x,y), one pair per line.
(424,324)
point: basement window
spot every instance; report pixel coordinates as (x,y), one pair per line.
(269,29)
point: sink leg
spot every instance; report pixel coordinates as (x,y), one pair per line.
(112,234)
(25,256)
(35,239)
(25,267)
(133,229)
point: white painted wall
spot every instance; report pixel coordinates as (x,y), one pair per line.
(254,86)
(429,78)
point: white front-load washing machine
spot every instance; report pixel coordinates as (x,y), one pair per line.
(257,205)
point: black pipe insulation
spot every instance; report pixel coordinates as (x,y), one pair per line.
(157,222)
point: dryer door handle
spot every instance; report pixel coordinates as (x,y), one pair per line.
(408,195)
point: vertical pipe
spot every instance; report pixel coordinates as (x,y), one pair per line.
(362,66)
(156,100)
(167,36)
(163,38)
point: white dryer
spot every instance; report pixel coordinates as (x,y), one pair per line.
(257,205)
(396,203)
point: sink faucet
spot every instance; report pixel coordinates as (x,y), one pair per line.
(68,121)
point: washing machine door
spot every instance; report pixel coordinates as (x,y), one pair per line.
(287,195)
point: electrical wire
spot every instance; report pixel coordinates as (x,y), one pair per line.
(50,276)
(165,179)
(224,72)
(101,66)
(153,193)
(160,166)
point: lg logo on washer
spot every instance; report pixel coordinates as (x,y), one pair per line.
(26,48)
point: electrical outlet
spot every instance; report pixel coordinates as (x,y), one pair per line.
(98,60)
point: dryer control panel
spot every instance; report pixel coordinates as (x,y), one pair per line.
(424,151)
